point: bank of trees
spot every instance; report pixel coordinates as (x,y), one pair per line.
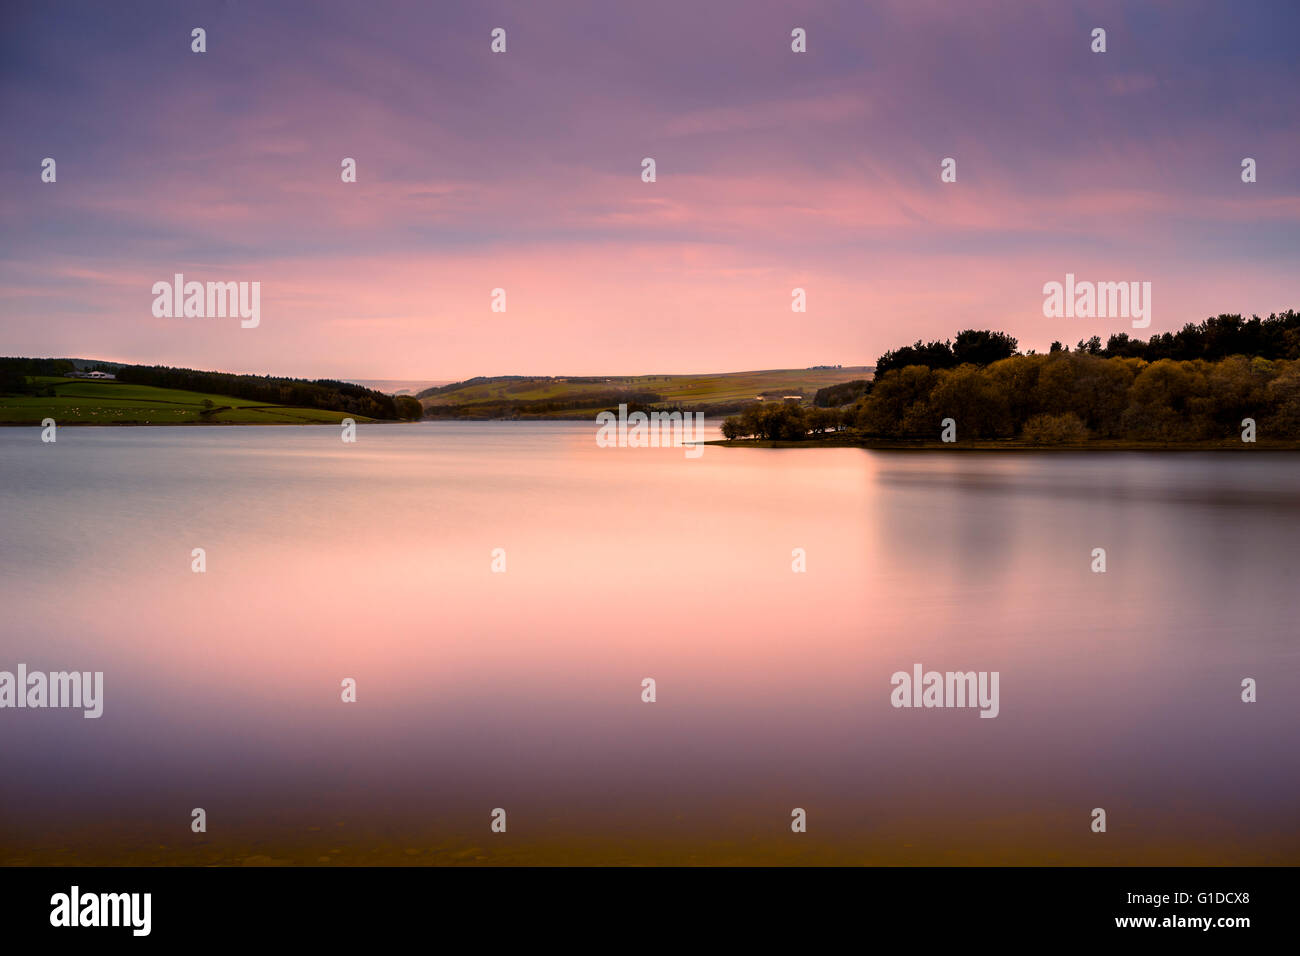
(1063,396)
(14,372)
(321,393)
(974,347)
(1218,337)
(846,393)
(785,421)
(581,405)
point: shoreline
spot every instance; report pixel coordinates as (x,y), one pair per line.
(69,424)
(868,444)
(1012,445)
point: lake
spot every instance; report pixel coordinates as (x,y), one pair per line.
(521,689)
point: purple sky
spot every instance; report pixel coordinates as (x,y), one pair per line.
(522,171)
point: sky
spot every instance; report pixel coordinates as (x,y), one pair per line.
(522,171)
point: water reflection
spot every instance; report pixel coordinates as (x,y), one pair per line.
(479,689)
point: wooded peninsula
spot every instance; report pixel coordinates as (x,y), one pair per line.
(1227,382)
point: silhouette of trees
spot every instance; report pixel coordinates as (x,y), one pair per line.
(970,347)
(1217,337)
(1062,396)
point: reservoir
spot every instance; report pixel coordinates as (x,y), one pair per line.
(498,592)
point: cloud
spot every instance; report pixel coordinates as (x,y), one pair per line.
(523,171)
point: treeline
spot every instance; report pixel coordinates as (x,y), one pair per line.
(846,393)
(14,372)
(544,407)
(1074,396)
(970,346)
(1061,397)
(1276,337)
(322,393)
(787,421)
(1193,385)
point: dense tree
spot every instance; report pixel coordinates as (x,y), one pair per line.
(408,408)
(14,372)
(972,398)
(1283,391)
(1163,402)
(1059,397)
(1276,337)
(322,393)
(982,348)
(1217,337)
(1054,429)
(970,347)
(773,421)
(929,355)
(1196,383)
(823,420)
(1091,346)
(846,393)
(898,401)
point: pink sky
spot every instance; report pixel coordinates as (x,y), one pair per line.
(522,171)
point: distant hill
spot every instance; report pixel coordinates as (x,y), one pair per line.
(397,386)
(578,396)
(37,387)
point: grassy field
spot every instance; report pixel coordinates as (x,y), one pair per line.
(694,390)
(78,401)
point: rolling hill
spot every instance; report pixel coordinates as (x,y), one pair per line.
(77,401)
(521,396)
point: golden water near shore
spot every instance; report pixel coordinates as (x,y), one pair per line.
(521,690)
(991,843)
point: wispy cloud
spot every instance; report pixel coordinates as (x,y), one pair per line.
(522,171)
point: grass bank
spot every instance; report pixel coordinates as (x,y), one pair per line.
(78,401)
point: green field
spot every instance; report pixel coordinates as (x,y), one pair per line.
(78,401)
(727,388)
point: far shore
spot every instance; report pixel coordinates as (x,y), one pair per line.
(84,424)
(828,441)
(1008,444)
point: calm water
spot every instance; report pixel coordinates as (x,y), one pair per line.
(522,690)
